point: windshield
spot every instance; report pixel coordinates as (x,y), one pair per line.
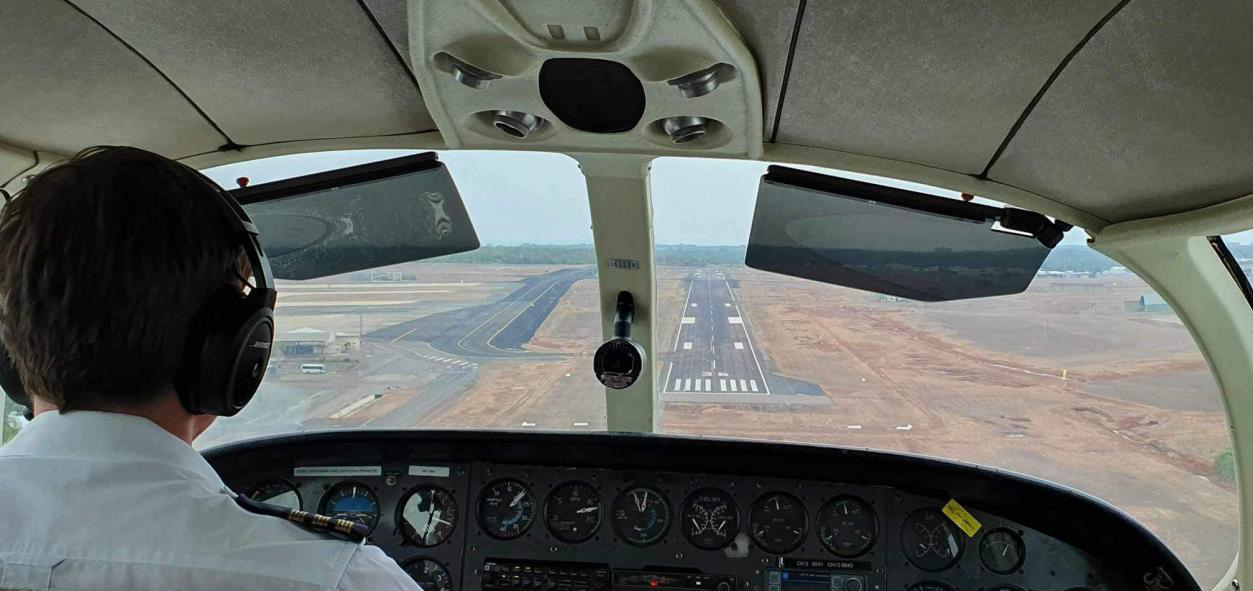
(1087,379)
(494,338)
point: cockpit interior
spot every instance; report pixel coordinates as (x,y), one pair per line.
(737,295)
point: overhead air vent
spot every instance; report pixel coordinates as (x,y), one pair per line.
(592,95)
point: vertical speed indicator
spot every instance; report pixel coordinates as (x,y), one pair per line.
(641,516)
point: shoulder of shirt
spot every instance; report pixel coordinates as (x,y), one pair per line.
(323,524)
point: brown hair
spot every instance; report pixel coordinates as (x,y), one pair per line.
(105,260)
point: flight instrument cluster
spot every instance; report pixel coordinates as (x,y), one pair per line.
(455,522)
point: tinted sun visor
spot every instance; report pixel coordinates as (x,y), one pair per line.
(892,241)
(360,217)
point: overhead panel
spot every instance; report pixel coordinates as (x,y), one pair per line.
(68,84)
(935,83)
(766,28)
(1154,115)
(654,77)
(274,70)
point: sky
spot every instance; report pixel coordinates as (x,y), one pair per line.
(540,198)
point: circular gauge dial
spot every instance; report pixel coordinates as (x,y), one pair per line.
(431,575)
(710,519)
(847,526)
(352,501)
(930,541)
(506,509)
(641,516)
(428,516)
(930,586)
(1002,551)
(778,522)
(573,512)
(276,492)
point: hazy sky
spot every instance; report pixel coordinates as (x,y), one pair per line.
(532,197)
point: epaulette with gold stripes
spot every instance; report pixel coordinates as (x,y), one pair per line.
(321,523)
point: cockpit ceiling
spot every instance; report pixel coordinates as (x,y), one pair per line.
(1152,115)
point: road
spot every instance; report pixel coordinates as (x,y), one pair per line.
(712,350)
(495,329)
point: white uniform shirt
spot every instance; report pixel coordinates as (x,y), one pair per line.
(104,501)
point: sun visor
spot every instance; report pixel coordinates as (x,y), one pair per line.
(892,241)
(360,217)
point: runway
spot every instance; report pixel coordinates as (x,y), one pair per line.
(712,351)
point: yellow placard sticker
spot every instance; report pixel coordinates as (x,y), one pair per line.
(960,516)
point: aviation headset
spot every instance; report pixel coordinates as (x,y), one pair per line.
(228,341)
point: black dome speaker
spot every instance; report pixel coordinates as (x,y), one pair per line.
(597,96)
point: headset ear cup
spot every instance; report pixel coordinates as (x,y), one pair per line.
(228,348)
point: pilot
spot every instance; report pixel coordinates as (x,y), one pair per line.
(112,263)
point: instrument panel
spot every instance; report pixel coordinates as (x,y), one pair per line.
(477,519)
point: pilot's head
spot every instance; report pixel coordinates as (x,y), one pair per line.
(107,258)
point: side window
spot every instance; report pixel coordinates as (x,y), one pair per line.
(11,419)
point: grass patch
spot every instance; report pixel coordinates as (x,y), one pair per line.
(1225,465)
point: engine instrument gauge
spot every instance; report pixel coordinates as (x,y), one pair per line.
(276,492)
(778,522)
(352,501)
(506,509)
(1002,551)
(847,526)
(710,518)
(431,575)
(641,516)
(428,515)
(930,586)
(573,512)
(930,541)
